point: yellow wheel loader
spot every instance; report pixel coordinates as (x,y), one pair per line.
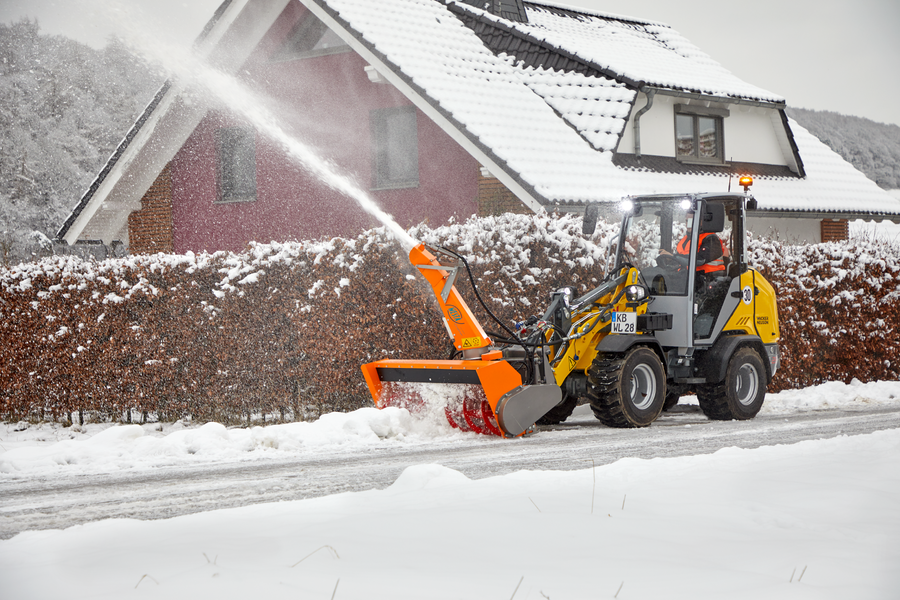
(681,312)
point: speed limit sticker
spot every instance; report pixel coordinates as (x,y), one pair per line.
(747,294)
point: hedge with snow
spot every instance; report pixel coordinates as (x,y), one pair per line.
(282,329)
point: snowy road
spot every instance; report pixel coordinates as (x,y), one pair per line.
(61,500)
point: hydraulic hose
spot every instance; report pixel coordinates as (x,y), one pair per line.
(478,295)
(528,347)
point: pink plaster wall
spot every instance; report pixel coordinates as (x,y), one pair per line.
(324,101)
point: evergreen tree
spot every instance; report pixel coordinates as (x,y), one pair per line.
(63,109)
(873,148)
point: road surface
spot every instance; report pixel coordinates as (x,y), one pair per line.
(60,501)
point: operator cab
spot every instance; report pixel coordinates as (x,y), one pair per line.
(689,250)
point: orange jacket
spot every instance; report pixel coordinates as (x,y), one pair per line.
(712,265)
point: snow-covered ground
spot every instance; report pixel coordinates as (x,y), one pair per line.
(95,448)
(816,519)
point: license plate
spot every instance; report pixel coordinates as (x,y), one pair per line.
(624,322)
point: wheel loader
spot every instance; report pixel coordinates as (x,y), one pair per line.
(680,313)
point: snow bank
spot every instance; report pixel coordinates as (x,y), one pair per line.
(102,448)
(816,519)
(39,449)
(833,395)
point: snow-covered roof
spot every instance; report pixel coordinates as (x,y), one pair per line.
(553,131)
(541,102)
(641,51)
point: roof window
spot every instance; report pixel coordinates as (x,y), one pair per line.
(511,10)
(309,38)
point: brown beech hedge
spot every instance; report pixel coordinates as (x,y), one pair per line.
(282,329)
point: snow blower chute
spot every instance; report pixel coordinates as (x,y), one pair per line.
(499,399)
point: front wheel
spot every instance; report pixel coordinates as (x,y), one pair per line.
(627,390)
(672,399)
(560,412)
(742,393)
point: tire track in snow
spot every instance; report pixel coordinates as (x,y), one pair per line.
(60,501)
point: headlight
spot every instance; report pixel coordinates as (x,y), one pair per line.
(633,293)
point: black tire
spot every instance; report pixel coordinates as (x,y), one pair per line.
(560,412)
(627,390)
(671,400)
(742,393)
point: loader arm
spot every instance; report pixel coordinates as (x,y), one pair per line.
(591,315)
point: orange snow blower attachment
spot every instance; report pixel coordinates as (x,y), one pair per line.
(489,394)
(466,331)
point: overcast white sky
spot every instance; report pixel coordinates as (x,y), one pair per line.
(839,55)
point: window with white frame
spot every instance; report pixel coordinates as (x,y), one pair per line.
(700,133)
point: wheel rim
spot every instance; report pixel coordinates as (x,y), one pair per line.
(747,384)
(643,387)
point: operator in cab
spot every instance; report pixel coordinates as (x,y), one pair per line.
(710,256)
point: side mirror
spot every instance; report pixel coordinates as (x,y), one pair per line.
(589,225)
(752,204)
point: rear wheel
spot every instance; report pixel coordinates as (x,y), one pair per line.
(627,390)
(742,393)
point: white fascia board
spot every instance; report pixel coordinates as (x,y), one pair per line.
(419,101)
(783,133)
(110,195)
(173,120)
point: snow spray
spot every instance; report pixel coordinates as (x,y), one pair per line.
(183,65)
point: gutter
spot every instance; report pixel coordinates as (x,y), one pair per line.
(818,214)
(780,104)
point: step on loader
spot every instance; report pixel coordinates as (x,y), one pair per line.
(681,312)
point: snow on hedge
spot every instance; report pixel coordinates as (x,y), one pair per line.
(283,328)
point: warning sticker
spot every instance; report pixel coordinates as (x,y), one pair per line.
(471,342)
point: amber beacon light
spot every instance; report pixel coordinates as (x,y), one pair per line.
(746,181)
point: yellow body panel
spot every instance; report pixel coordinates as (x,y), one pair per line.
(742,317)
(757,311)
(767,311)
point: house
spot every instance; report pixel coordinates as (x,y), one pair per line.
(445,108)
